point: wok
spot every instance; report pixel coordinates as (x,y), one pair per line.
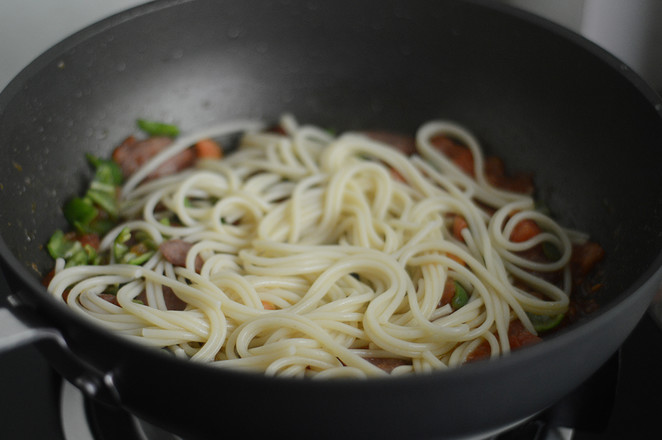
(539,96)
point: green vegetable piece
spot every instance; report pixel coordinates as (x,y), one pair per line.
(78,258)
(461,298)
(83,212)
(146,240)
(107,171)
(133,253)
(80,212)
(101,226)
(104,198)
(103,189)
(132,258)
(93,256)
(154,128)
(72,251)
(58,246)
(120,249)
(543,323)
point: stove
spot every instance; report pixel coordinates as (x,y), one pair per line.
(621,400)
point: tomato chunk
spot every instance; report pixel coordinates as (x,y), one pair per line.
(524,230)
(459,224)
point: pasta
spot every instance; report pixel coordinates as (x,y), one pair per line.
(309,254)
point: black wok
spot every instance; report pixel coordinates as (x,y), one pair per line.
(544,99)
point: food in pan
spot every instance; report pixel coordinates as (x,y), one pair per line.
(305,253)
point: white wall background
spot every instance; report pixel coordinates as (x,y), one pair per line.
(630,29)
(29,27)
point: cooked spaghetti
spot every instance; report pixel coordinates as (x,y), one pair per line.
(308,254)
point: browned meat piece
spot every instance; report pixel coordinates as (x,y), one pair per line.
(387,364)
(172,301)
(132,154)
(175,251)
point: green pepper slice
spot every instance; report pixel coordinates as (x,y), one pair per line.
(80,212)
(543,323)
(461,298)
(154,128)
(106,171)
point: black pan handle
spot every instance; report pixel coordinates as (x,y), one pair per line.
(18,327)
(15,332)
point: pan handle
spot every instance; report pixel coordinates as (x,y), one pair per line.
(15,332)
(18,327)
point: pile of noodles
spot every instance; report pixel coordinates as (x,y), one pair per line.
(353,260)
